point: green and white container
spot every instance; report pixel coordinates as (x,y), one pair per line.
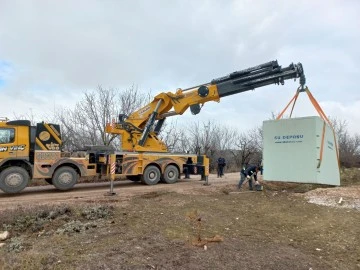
(292,151)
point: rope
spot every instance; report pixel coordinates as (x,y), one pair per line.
(284,110)
(322,145)
(296,96)
(323,117)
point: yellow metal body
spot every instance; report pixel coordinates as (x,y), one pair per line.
(179,102)
(15,146)
(129,141)
(137,132)
(154,151)
(143,153)
(36,150)
(14,142)
(46,162)
(134,163)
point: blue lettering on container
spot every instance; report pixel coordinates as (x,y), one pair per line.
(295,138)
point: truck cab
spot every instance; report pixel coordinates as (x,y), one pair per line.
(14,140)
(34,152)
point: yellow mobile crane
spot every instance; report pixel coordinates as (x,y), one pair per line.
(139,133)
(33,152)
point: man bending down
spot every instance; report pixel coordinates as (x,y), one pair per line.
(247,174)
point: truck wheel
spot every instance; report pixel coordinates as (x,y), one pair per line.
(171,174)
(65,178)
(13,179)
(134,178)
(151,175)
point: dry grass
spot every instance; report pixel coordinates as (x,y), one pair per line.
(350,176)
(162,230)
(38,218)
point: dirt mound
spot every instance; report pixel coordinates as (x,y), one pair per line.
(341,197)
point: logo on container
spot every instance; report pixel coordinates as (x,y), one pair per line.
(295,138)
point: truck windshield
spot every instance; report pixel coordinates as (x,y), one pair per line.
(7,135)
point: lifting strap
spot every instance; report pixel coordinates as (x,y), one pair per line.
(322,115)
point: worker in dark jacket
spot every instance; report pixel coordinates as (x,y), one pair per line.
(248,173)
(187,168)
(221,164)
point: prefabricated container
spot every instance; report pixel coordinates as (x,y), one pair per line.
(292,151)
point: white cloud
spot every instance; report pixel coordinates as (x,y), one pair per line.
(350,112)
(59,49)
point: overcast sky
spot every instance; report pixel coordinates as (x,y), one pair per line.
(52,51)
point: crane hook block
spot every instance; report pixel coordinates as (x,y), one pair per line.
(203,91)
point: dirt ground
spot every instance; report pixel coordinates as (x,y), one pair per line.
(186,225)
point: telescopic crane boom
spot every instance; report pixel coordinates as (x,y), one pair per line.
(138,132)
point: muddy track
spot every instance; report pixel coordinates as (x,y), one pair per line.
(99,191)
(125,189)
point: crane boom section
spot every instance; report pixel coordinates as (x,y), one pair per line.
(138,132)
(179,102)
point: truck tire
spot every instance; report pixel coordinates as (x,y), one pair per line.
(134,178)
(14,179)
(151,175)
(65,178)
(171,174)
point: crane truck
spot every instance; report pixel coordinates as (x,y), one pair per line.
(33,152)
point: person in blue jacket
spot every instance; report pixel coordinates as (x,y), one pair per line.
(221,162)
(248,173)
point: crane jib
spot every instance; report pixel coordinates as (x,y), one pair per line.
(259,76)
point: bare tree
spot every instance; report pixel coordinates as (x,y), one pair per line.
(175,138)
(131,100)
(85,124)
(224,138)
(215,140)
(27,116)
(256,138)
(243,150)
(247,148)
(202,140)
(349,145)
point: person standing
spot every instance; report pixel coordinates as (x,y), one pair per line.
(221,162)
(248,173)
(187,168)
